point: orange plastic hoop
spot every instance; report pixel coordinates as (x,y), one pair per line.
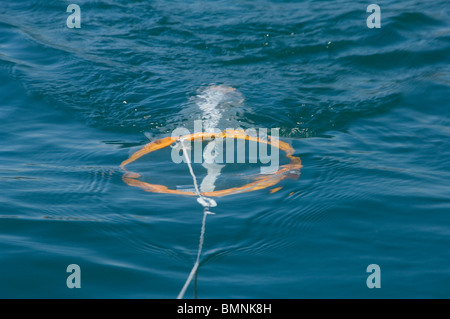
(262,182)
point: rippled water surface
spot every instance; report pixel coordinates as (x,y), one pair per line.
(367,110)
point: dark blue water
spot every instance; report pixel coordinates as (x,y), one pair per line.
(367,110)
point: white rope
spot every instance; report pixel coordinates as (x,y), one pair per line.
(206,203)
(197,262)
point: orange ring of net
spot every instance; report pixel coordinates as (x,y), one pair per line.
(262,182)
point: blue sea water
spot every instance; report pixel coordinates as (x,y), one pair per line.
(366,110)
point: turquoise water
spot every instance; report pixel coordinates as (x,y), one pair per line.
(367,110)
